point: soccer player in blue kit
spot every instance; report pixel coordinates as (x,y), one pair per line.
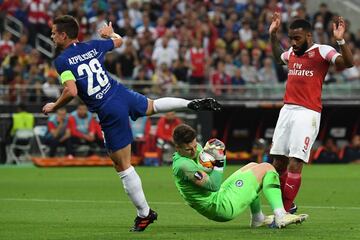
(82,72)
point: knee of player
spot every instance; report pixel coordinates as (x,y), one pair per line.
(295,165)
(267,166)
(150,108)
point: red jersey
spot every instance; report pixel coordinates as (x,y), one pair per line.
(165,128)
(197,58)
(306,75)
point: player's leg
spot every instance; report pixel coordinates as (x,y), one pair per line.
(248,166)
(281,164)
(280,147)
(133,187)
(266,174)
(258,218)
(304,131)
(114,119)
(167,104)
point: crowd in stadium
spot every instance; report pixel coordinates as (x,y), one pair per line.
(167,43)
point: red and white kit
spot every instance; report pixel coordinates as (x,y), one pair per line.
(299,119)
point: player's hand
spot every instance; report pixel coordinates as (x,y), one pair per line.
(215,148)
(275,24)
(339,28)
(106,31)
(48,108)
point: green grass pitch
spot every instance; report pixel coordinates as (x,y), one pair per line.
(90,203)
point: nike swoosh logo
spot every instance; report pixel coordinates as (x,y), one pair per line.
(290,186)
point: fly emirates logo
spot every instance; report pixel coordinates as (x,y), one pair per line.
(297,71)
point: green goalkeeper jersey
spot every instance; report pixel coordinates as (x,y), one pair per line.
(207,195)
(201,198)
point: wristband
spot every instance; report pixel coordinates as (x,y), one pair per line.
(340,42)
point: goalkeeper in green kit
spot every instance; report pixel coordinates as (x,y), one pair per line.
(221,201)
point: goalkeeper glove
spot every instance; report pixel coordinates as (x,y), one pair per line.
(216,148)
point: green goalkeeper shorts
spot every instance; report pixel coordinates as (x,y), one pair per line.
(236,194)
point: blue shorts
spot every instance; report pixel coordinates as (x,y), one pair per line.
(114,117)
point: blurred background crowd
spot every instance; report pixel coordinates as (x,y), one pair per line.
(167,44)
(217,47)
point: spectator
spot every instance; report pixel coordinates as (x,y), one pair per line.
(50,88)
(237,79)
(320,36)
(245,33)
(17,89)
(267,74)
(112,63)
(196,59)
(163,80)
(128,60)
(58,133)
(3,89)
(143,83)
(351,153)
(164,54)
(260,151)
(180,71)
(327,152)
(164,130)
(220,81)
(82,127)
(6,45)
(21,120)
(146,26)
(248,71)
(141,134)
(325,14)
(352,75)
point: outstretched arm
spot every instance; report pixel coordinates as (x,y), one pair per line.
(107,32)
(345,60)
(275,45)
(68,93)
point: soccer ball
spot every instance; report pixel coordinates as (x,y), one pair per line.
(206,160)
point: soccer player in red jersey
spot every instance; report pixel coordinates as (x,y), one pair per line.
(299,118)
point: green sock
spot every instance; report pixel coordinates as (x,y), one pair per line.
(271,188)
(255,206)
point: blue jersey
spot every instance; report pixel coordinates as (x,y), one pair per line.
(86,62)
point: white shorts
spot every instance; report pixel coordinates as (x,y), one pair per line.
(295,132)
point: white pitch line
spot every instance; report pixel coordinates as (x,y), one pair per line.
(156,203)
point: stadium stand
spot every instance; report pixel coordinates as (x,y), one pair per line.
(228,32)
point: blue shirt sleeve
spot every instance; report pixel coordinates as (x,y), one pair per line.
(104,45)
(61,65)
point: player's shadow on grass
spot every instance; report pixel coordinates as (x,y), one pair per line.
(201,228)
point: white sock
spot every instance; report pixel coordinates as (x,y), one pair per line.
(168,104)
(258,217)
(133,188)
(279,212)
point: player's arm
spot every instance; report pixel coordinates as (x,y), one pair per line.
(345,60)
(107,32)
(210,182)
(275,44)
(68,93)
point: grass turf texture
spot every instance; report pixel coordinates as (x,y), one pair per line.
(90,203)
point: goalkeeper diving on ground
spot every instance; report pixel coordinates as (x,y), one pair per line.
(204,190)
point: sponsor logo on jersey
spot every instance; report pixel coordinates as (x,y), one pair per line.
(239,183)
(101,94)
(304,73)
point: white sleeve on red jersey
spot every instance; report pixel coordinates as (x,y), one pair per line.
(328,53)
(285,56)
